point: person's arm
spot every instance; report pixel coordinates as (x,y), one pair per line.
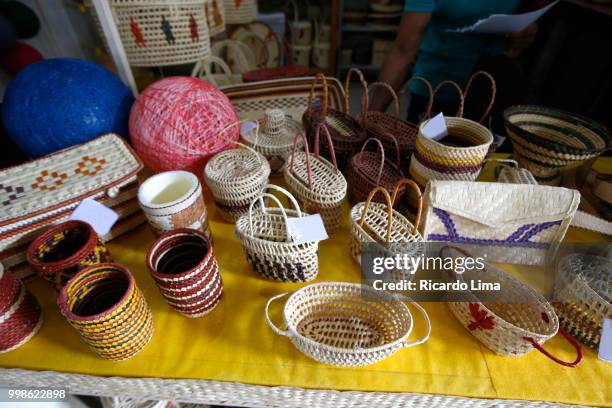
(401,56)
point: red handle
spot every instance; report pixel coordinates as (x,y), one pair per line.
(329,142)
(295,140)
(570,339)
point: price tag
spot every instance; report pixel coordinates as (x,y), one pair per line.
(435,128)
(246,127)
(100,217)
(307,229)
(605,344)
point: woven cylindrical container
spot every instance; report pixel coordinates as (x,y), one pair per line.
(546,140)
(347,133)
(317,184)
(20,314)
(64,249)
(277,131)
(269,248)
(300,55)
(583,296)
(235,177)
(459,156)
(346,324)
(522,319)
(184,267)
(240,11)
(160,32)
(215,16)
(368,170)
(108,310)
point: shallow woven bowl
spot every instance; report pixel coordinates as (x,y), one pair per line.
(545,140)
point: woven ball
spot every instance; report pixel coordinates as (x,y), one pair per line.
(57,103)
(23,18)
(175,124)
(18,57)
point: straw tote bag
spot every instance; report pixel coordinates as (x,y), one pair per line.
(264,73)
(316,182)
(203,70)
(511,223)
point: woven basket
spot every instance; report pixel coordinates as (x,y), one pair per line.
(269,249)
(203,70)
(522,321)
(215,16)
(347,133)
(317,183)
(239,56)
(20,314)
(379,222)
(108,310)
(546,140)
(235,177)
(368,170)
(264,73)
(184,267)
(583,296)
(240,11)
(334,323)
(510,172)
(64,249)
(276,134)
(301,30)
(433,160)
(160,32)
(321,54)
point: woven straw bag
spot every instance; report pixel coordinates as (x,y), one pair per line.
(546,140)
(264,234)
(215,16)
(379,222)
(317,183)
(301,30)
(346,324)
(239,56)
(347,133)
(276,134)
(203,70)
(321,50)
(160,32)
(240,11)
(265,73)
(583,296)
(370,169)
(510,172)
(514,326)
(235,177)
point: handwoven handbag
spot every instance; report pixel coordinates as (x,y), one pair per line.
(513,223)
(160,32)
(215,16)
(347,133)
(45,191)
(583,296)
(265,73)
(321,49)
(203,70)
(301,30)
(522,319)
(546,140)
(235,177)
(370,169)
(239,56)
(269,248)
(240,11)
(346,324)
(317,183)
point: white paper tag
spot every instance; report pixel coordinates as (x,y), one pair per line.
(307,229)
(246,127)
(605,344)
(435,128)
(100,217)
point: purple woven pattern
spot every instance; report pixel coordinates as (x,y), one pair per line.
(519,238)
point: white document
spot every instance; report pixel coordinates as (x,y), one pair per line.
(504,23)
(435,128)
(307,229)
(605,343)
(100,217)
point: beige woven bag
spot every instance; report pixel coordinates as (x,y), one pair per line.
(317,183)
(236,177)
(240,11)
(264,234)
(240,58)
(346,324)
(203,70)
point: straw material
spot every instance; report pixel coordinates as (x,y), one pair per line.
(108,310)
(265,73)
(583,296)
(203,70)
(264,235)
(332,322)
(513,174)
(546,140)
(317,183)
(215,16)
(240,11)
(242,57)
(321,50)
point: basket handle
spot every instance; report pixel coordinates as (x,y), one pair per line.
(347,90)
(427,322)
(430,92)
(206,64)
(391,91)
(308,167)
(317,78)
(329,142)
(493,91)
(272,325)
(296,17)
(459,91)
(389,209)
(397,149)
(382,153)
(416,188)
(239,122)
(263,208)
(567,337)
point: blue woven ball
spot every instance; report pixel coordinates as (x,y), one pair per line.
(57,103)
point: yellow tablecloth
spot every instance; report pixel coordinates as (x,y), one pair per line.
(234,342)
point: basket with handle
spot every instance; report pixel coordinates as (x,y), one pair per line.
(264,73)
(215,16)
(320,50)
(346,132)
(371,169)
(508,171)
(239,56)
(203,70)
(317,183)
(520,319)
(240,12)
(269,248)
(347,324)
(235,177)
(301,30)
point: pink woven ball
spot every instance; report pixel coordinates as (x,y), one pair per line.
(175,124)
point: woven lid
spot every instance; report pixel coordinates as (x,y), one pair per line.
(276,130)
